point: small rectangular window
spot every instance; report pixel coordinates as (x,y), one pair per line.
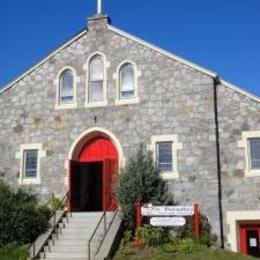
(255,153)
(30,163)
(164,156)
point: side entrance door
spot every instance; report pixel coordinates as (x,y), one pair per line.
(249,240)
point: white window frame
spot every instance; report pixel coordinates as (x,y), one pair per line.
(20,156)
(155,139)
(86,67)
(233,219)
(116,76)
(244,143)
(76,80)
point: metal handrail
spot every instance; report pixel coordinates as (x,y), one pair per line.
(105,231)
(54,226)
(112,220)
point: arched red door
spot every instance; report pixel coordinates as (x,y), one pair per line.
(93,175)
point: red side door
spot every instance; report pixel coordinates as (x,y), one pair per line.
(250,240)
(110,170)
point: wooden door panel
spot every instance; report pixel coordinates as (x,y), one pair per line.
(109,180)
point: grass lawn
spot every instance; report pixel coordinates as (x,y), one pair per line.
(159,254)
(14,253)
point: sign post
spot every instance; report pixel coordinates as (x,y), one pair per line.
(196,221)
(138,223)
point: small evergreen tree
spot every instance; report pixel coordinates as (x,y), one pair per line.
(140,180)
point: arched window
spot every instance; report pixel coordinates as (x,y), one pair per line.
(66,87)
(127,81)
(96,79)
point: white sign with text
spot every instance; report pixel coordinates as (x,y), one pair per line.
(168,221)
(150,210)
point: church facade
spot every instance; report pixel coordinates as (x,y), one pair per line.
(87,106)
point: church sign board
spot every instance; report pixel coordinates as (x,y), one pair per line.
(168,221)
(150,210)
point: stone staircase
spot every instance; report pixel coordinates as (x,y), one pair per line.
(71,242)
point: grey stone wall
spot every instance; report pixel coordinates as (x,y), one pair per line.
(237,113)
(174,99)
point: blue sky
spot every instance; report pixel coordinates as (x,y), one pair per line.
(222,35)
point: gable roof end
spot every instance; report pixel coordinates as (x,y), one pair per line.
(184,61)
(144,43)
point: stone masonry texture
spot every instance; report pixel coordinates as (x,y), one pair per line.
(174,99)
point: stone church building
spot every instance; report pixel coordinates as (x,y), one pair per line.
(87,106)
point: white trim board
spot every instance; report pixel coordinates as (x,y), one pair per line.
(79,35)
(240,90)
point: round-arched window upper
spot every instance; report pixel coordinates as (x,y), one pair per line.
(127,81)
(66,87)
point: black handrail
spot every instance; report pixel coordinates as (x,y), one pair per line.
(106,229)
(54,226)
(112,220)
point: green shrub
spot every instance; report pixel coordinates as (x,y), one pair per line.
(170,247)
(14,251)
(188,246)
(206,236)
(55,203)
(140,180)
(152,236)
(127,237)
(127,250)
(21,219)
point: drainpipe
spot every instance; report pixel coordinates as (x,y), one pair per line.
(220,208)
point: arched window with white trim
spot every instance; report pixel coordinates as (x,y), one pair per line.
(127,82)
(66,87)
(96,79)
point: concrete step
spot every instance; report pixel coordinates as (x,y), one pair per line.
(82,220)
(65,258)
(80,224)
(75,236)
(76,232)
(62,255)
(70,242)
(75,248)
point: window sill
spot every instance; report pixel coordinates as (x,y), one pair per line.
(170,175)
(30,181)
(253,173)
(66,106)
(97,104)
(127,101)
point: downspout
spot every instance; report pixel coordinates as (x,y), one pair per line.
(220,207)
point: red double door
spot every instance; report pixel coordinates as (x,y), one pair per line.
(92,177)
(250,240)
